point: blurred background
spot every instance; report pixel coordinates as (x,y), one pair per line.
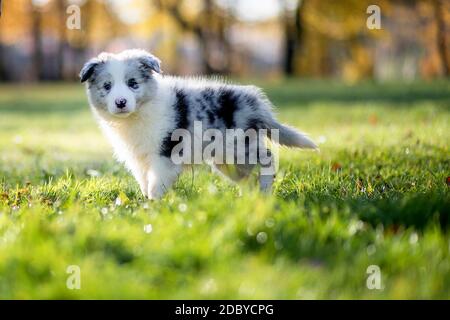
(241,38)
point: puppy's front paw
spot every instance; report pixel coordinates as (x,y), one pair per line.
(144,191)
(156,192)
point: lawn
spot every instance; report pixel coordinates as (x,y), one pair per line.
(376,194)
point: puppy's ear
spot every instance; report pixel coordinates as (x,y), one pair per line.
(150,62)
(88,69)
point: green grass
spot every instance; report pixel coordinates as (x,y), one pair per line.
(376,194)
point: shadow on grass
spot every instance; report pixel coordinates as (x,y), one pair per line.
(43,107)
(320,91)
(408,210)
(71,98)
(317,239)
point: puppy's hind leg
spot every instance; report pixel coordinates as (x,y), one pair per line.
(267,171)
(224,171)
(233,173)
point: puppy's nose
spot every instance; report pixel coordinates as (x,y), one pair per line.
(121,103)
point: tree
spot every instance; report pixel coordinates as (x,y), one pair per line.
(209,29)
(36,32)
(3,75)
(441,37)
(61,11)
(293,35)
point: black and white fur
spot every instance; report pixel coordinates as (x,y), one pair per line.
(138,109)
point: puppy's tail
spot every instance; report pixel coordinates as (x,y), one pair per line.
(291,137)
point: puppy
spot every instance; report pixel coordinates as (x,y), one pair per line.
(140,110)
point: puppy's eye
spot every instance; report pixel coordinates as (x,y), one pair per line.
(107,86)
(132,83)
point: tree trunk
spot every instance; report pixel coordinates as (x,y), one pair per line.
(80,49)
(3,73)
(61,8)
(212,37)
(293,36)
(441,38)
(36,32)
(204,31)
(225,43)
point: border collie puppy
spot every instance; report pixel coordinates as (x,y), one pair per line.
(140,110)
